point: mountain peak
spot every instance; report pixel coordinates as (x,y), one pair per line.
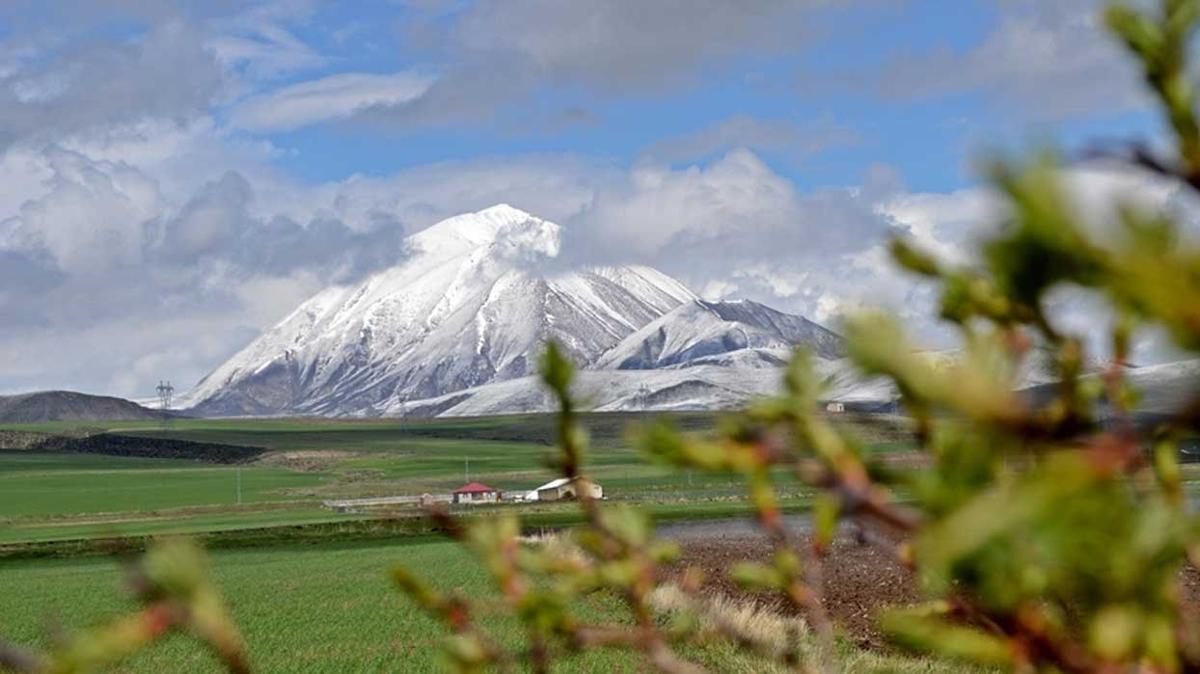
(504,211)
(489,225)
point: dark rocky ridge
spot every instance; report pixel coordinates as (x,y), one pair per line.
(112,444)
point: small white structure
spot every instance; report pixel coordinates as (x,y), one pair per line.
(835,407)
(476,492)
(566,488)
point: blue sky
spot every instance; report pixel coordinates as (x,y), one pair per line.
(176,175)
(829,80)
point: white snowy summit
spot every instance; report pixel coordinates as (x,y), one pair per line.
(469,307)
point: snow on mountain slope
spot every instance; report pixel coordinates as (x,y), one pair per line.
(699,330)
(467,305)
(1162,390)
(703,387)
(1165,388)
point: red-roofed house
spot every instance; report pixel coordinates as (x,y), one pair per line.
(476,492)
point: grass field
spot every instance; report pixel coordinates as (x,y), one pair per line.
(48,496)
(323,609)
(308,586)
(61,484)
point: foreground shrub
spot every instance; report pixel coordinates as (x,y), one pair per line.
(1051,530)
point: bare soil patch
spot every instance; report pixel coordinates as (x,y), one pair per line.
(307,461)
(860,579)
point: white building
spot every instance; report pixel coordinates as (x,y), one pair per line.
(476,492)
(565,488)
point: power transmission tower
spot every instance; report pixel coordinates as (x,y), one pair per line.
(165,391)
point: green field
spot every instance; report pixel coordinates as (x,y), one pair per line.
(62,484)
(324,609)
(308,585)
(51,496)
(329,609)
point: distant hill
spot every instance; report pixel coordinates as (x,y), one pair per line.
(71,406)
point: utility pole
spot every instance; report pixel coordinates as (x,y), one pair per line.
(239,485)
(467,469)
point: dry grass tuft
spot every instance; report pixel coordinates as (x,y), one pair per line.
(762,628)
(558,545)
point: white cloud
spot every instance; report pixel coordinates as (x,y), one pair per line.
(951,224)
(90,218)
(784,283)
(329,98)
(265,52)
(943,223)
(659,207)
(258,44)
(734,224)
(743,131)
(624,44)
(1045,60)
(64,88)
(497,55)
(717,289)
(107,263)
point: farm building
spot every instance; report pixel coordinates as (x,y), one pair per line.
(476,492)
(565,488)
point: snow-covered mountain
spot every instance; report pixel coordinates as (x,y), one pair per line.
(729,333)
(470,304)
(456,326)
